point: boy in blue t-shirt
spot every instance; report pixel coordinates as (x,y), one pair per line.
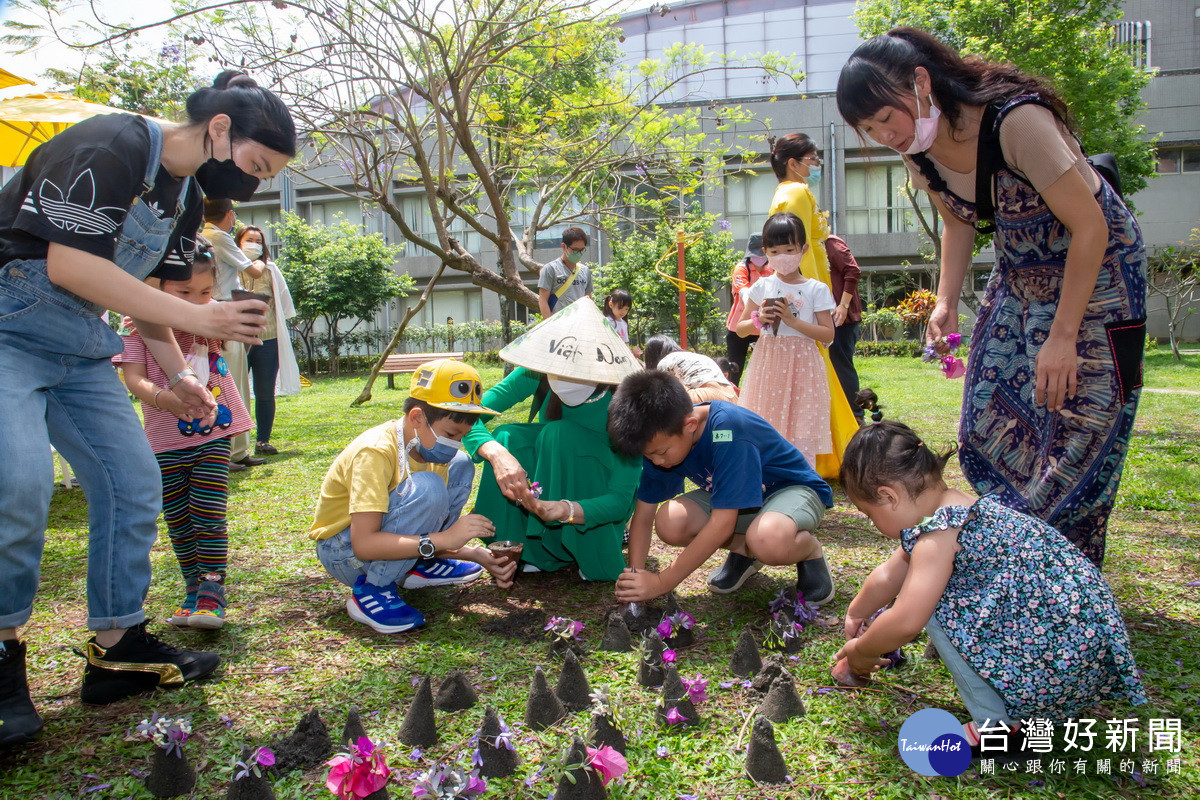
(758,496)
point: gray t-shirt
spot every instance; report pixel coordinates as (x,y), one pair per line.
(555,274)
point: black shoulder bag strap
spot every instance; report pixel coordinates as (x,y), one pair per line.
(989,160)
(539,397)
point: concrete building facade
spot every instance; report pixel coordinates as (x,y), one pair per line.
(861,181)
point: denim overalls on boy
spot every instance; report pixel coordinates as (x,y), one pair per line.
(57,385)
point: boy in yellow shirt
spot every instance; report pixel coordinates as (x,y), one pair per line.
(390,513)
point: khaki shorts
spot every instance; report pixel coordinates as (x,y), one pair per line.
(800,503)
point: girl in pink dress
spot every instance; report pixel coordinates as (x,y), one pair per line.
(786,383)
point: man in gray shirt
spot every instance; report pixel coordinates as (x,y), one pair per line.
(564,280)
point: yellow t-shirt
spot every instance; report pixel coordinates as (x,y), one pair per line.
(797,198)
(362,478)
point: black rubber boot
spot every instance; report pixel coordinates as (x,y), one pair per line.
(19,720)
(815,581)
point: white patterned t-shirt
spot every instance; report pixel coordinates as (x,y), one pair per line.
(806,299)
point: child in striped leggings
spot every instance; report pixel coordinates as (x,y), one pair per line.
(192,454)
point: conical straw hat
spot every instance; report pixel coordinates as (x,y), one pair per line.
(574,343)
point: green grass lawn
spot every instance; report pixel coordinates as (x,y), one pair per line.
(289,645)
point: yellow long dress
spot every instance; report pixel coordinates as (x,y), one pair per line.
(797,198)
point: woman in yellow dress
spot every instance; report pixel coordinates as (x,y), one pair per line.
(795,161)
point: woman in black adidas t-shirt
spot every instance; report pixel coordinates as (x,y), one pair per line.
(98,213)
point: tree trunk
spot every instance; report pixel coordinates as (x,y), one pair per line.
(365,394)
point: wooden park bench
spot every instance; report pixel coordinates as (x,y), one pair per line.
(405,363)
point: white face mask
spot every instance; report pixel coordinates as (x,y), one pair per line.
(924,128)
(252,249)
(572,393)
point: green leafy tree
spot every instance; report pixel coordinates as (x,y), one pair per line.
(1069,42)
(511,118)
(336,273)
(709,261)
(155,82)
(1174,275)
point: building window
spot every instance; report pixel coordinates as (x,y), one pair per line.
(1174,160)
(459,305)
(416,214)
(748,197)
(1134,38)
(875,199)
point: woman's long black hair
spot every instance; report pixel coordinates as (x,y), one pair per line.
(880,73)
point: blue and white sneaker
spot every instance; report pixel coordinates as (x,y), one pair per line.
(381,608)
(440,572)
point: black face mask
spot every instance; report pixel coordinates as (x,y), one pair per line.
(225,180)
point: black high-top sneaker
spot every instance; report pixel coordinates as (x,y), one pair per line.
(139,663)
(19,720)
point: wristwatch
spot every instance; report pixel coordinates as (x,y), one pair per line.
(425,548)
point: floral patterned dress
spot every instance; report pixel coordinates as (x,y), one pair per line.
(1061,467)
(1030,614)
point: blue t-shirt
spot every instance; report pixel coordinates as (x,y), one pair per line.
(739,458)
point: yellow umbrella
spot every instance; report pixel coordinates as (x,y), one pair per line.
(7,79)
(30,120)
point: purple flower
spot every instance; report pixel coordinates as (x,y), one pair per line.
(661,751)
(724,225)
(416,754)
(696,688)
(533,778)
(929,354)
(953,339)
(664,628)
(668,656)
(726,684)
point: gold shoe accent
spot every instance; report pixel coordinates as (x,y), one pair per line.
(168,674)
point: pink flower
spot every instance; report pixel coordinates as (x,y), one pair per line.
(664,628)
(953,339)
(358,773)
(668,656)
(953,367)
(608,762)
(674,717)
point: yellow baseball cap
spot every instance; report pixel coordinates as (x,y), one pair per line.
(450,385)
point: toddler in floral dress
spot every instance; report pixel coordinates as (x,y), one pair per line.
(1021,618)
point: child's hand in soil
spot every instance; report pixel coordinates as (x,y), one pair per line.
(468,527)
(501,568)
(844,677)
(640,586)
(859,663)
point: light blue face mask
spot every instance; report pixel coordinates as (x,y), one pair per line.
(443,451)
(814,173)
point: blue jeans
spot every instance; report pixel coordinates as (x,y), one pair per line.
(57,385)
(264,366)
(982,701)
(422,503)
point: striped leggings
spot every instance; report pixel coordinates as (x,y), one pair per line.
(195,485)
